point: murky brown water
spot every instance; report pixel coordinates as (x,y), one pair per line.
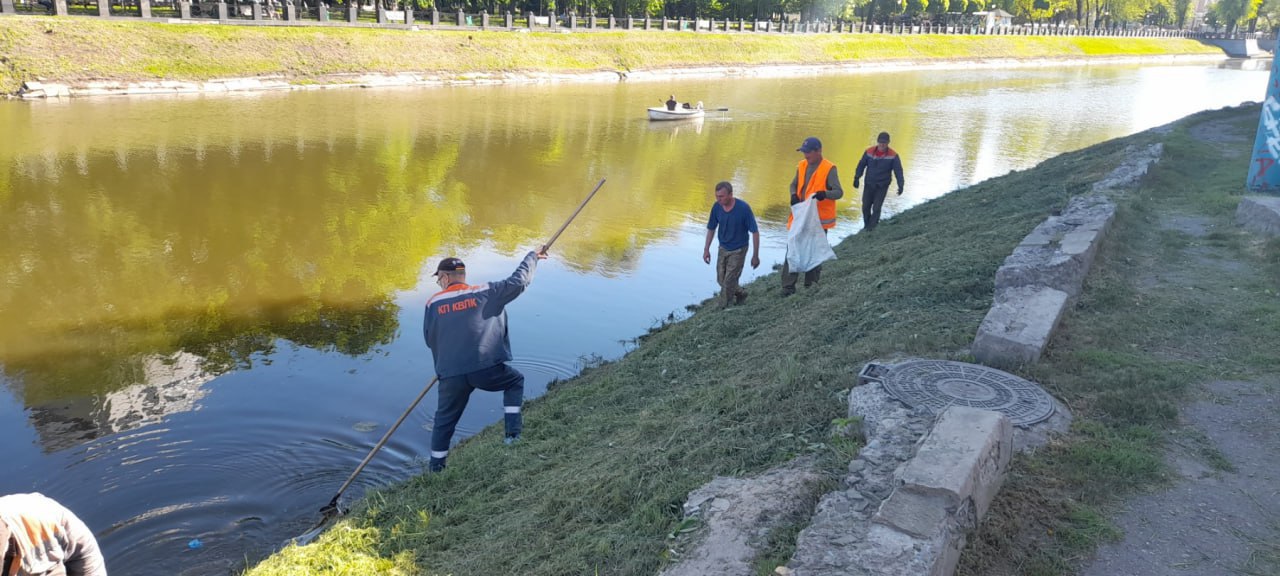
(210,308)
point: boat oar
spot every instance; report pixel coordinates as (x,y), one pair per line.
(330,512)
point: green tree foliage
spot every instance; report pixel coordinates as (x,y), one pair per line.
(1269,15)
(1181,13)
(1037,10)
(1230,14)
(883,10)
(1082,12)
(1160,13)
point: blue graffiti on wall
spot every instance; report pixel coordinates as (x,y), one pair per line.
(1263,174)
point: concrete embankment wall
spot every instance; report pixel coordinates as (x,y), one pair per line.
(1243,47)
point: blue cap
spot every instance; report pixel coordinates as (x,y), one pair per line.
(809,145)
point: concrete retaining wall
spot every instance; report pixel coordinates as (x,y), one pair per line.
(1239,47)
(1057,253)
(934,499)
(1037,281)
(1047,269)
(1019,325)
(946,490)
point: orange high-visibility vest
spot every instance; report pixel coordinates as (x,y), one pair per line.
(816,184)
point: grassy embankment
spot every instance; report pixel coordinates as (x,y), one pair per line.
(82,49)
(596,486)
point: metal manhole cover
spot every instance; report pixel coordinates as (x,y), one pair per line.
(937,384)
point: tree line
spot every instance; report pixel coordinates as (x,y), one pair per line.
(1224,15)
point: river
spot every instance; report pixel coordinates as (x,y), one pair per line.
(210,307)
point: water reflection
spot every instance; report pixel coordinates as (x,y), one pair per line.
(675,127)
(209,307)
(167,385)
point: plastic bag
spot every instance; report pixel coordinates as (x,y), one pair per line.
(807,246)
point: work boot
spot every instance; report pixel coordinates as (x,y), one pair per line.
(511,439)
(740,297)
(436,465)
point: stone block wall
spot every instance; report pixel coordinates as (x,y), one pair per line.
(915,519)
(1037,281)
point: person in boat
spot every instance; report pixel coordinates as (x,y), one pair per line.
(39,536)
(671,103)
(466,329)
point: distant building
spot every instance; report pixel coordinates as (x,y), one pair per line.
(995,19)
(1198,12)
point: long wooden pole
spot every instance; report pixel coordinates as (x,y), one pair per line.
(384,439)
(556,236)
(330,511)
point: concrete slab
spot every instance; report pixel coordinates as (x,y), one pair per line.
(1059,251)
(915,514)
(841,539)
(35,90)
(1019,325)
(736,516)
(920,528)
(964,457)
(1260,214)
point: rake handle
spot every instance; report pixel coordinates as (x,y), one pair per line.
(334,503)
(556,236)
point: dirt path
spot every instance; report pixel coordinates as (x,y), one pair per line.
(1223,515)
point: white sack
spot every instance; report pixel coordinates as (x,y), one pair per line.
(807,246)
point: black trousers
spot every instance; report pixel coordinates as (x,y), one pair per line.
(872,199)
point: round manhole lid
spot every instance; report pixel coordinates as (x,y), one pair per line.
(936,384)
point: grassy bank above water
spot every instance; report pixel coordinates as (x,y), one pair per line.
(79,49)
(609,456)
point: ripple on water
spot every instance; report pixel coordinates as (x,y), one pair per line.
(185,493)
(545,368)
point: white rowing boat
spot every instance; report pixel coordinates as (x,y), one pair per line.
(661,113)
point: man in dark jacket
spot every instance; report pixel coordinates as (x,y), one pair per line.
(880,162)
(466,329)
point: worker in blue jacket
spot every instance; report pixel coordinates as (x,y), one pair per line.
(466,329)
